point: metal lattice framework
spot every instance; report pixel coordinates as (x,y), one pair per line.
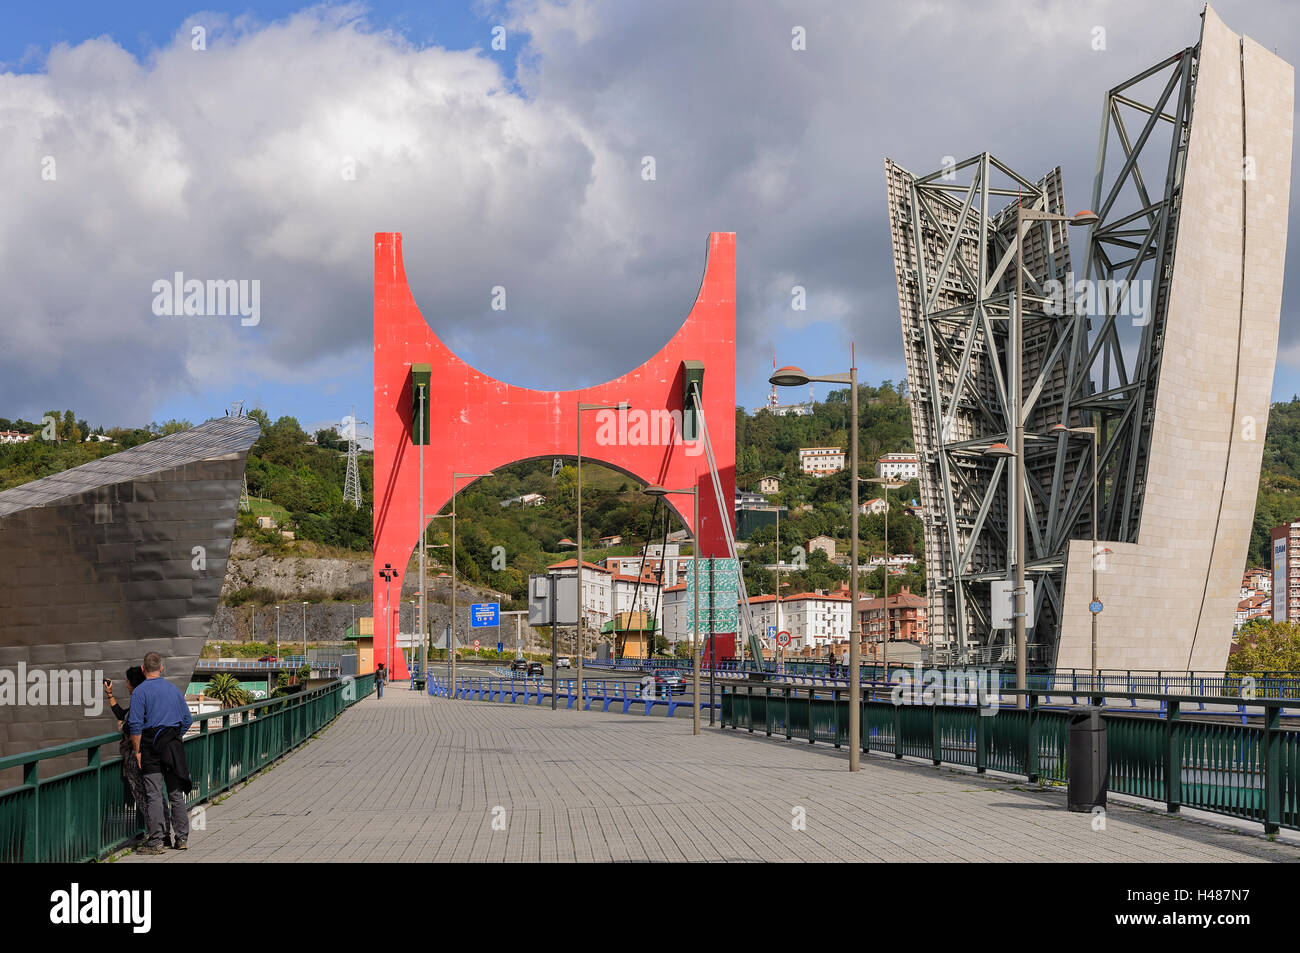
(352,478)
(955,243)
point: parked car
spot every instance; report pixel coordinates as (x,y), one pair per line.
(535,668)
(519,665)
(670,681)
(563,662)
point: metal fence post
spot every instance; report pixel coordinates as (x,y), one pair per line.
(1272,769)
(936,742)
(1031,738)
(981,757)
(835,708)
(1173,760)
(898,732)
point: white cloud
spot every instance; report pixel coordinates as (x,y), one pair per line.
(229,163)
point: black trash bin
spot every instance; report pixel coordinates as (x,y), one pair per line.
(1086,764)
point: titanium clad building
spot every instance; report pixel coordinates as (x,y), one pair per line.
(105,562)
(1164,341)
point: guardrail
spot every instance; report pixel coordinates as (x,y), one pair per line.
(1249,771)
(242,665)
(535,690)
(83,814)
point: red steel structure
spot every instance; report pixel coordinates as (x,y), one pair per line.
(478,424)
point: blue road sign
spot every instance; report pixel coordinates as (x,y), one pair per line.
(1094,607)
(771,631)
(484,614)
(500,647)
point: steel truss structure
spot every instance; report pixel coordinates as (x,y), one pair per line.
(1090,356)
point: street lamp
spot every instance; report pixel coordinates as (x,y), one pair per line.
(1096,446)
(582,406)
(426,634)
(887,485)
(1017,507)
(277,631)
(694,493)
(388,574)
(304,630)
(790,376)
(451,638)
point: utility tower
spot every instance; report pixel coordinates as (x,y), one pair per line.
(352,481)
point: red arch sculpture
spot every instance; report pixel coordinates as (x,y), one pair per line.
(478,424)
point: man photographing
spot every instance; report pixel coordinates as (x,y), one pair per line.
(156,722)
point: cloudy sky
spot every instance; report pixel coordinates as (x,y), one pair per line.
(519,168)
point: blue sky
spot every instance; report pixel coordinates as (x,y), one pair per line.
(516,168)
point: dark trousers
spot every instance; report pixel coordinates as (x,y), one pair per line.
(157,812)
(379,687)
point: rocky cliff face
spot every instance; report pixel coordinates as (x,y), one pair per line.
(337,590)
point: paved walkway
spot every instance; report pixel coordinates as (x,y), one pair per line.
(413,778)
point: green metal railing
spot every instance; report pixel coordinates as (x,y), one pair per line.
(83,814)
(1245,770)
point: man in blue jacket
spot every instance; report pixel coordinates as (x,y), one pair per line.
(156,722)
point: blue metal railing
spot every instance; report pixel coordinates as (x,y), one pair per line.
(534,690)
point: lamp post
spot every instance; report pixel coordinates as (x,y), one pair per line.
(780,650)
(795,377)
(426,634)
(694,493)
(304,631)
(887,485)
(423,523)
(582,406)
(1096,447)
(1016,501)
(388,574)
(277,631)
(451,637)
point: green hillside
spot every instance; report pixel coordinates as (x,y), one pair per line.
(298,479)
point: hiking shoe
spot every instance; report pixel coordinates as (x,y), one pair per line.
(182,843)
(152,849)
(167,840)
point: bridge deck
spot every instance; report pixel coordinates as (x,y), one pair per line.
(413,778)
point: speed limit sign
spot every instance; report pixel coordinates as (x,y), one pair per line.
(783,638)
(476,643)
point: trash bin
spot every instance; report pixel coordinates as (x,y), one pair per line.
(1086,764)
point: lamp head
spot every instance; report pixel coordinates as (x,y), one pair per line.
(1085,217)
(788,376)
(999,450)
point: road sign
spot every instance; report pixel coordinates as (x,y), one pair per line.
(783,638)
(483,614)
(1004,601)
(771,631)
(476,643)
(1095,607)
(501,647)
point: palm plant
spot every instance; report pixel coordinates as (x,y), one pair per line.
(226,689)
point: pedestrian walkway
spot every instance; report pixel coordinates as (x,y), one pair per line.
(414,778)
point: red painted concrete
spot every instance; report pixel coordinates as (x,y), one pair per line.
(478,423)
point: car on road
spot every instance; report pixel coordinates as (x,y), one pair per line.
(519,665)
(669,681)
(535,668)
(563,662)
(268,658)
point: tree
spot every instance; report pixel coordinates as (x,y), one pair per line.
(1266,646)
(226,689)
